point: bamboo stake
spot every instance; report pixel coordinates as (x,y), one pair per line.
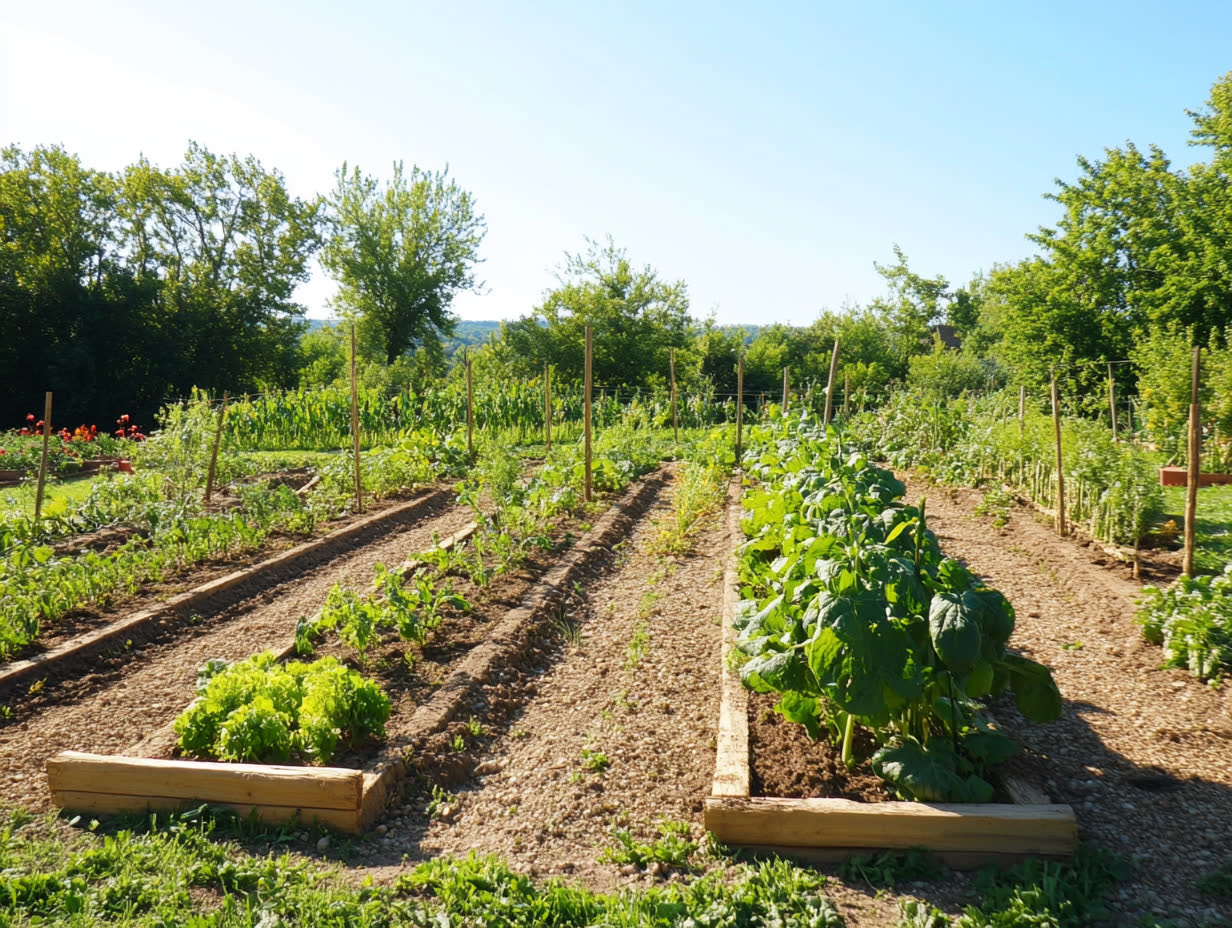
(1022,408)
(586,411)
(671,360)
(830,382)
(470,412)
(547,405)
(38,496)
(209,477)
(1056,425)
(1112,402)
(786,389)
(359,484)
(739,408)
(1195,446)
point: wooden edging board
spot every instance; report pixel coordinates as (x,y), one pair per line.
(961,835)
(109,784)
(92,642)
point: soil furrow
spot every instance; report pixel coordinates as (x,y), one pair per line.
(118,702)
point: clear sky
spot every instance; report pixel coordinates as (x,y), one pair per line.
(767,153)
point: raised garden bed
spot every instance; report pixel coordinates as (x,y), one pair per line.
(92,782)
(963,835)
(1179,477)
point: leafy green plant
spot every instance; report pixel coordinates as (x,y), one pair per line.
(260,710)
(855,617)
(674,847)
(595,761)
(1192,621)
(889,868)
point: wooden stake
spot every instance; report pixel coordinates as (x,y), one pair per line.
(786,389)
(1022,409)
(671,361)
(830,382)
(547,406)
(1112,402)
(209,477)
(739,408)
(1195,447)
(586,411)
(1056,425)
(470,411)
(38,496)
(359,484)
(846,392)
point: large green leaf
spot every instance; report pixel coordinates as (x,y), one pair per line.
(1035,692)
(955,630)
(802,709)
(778,672)
(928,774)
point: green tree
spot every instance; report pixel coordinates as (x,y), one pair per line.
(401,252)
(636,318)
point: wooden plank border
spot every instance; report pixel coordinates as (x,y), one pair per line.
(110,784)
(962,835)
(85,645)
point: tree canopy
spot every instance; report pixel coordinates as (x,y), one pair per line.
(401,251)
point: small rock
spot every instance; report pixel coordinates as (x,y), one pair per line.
(628,870)
(655,869)
(323,844)
(382,830)
(489,766)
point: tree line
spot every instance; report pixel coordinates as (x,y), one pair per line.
(141,284)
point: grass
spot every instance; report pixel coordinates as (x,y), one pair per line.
(1214,529)
(58,495)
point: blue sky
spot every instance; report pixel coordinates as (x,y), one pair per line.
(767,154)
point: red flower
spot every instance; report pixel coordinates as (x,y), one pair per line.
(29,417)
(2,451)
(39,424)
(119,433)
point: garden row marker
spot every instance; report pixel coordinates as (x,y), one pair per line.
(1112,402)
(739,406)
(671,361)
(1022,409)
(586,412)
(1195,445)
(830,382)
(1056,425)
(359,486)
(846,392)
(38,497)
(786,389)
(547,407)
(470,411)
(209,477)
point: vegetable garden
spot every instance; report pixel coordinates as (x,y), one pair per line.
(495,657)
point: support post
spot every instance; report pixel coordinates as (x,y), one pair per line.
(846,393)
(1022,408)
(1112,402)
(42,481)
(671,360)
(830,382)
(547,406)
(1195,447)
(786,389)
(470,411)
(359,484)
(739,408)
(209,477)
(586,404)
(1056,425)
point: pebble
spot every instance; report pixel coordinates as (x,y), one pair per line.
(323,844)
(489,766)
(382,830)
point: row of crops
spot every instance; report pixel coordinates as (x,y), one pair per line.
(854,616)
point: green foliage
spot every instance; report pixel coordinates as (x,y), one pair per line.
(402,251)
(674,846)
(1192,621)
(944,372)
(636,319)
(263,711)
(853,615)
(885,869)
